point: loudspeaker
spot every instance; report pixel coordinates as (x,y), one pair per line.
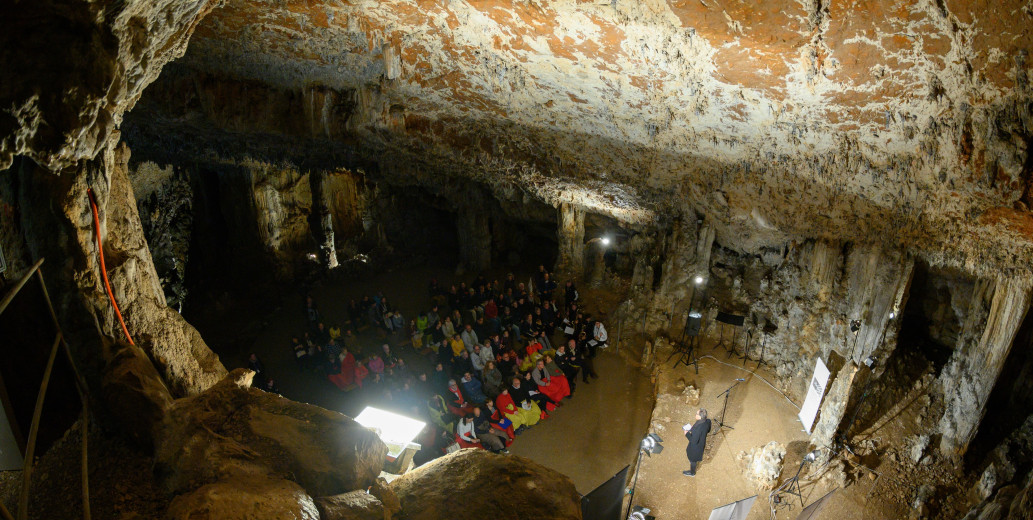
(692,323)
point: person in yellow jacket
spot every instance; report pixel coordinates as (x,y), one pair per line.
(517,413)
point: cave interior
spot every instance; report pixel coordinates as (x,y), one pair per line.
(853,178)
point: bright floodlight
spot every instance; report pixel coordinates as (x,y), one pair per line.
(606,241)
(699,279)
(893,315)
(391,427)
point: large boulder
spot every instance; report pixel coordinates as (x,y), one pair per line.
(136,396)
(257,498)
(763,465)
(232,429)
(356,505)
(474,484)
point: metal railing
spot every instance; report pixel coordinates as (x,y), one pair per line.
(80,385)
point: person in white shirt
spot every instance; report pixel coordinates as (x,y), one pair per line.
(599,334)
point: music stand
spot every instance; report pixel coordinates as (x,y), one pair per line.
(737,510)
(767,330)
(734,320)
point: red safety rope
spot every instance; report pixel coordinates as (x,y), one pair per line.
(103,269)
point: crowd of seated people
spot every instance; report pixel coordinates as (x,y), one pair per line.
(504,355)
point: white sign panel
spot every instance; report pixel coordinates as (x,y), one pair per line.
(814,393)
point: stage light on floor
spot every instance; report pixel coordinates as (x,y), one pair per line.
(605,241)
(699,279)
(398,432)
(390,427)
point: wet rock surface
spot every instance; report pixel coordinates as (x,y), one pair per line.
(253,498)
(468,483)
(233,430)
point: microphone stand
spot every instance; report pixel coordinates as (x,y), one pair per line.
(724,408)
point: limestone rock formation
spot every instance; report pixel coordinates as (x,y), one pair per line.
(253,498)
(136,396)
(354,505)
(468,483)
(763,465)
(233,430)
(84,66)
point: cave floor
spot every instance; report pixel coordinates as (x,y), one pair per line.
(758,414)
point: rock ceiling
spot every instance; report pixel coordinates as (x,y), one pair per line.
(876,120)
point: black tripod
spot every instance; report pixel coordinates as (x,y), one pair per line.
(792,486)
(724,408)
(687,353)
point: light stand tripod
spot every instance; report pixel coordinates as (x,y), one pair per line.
(687,352)
(650,444)
(724,408)
(792,486)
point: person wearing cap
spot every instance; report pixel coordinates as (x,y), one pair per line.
(697,437)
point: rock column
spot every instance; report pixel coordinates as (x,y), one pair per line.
(58,224)
(324,230)
(977,361)
(570,263)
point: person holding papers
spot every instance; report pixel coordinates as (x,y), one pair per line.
(696,433)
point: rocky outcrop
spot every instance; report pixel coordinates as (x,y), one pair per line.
(762,465)
(233,430)
(356,505)
(480,478)
(136,396)
(84,66)
(250,498)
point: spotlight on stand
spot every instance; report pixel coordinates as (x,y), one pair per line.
(870,361)
(698,280)
(605,241)
(855,325)
(640,513)
(650,444)
(792,486)
(893,315)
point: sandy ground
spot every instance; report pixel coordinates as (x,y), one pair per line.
(597,432)
(758,414)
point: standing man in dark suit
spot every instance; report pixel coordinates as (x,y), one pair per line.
(697,436)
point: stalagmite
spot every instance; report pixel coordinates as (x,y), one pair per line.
(570,232)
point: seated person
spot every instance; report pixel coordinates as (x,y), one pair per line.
(522,390)
(492,379)
(457,404)
(554,386)
(524,416)
(489,434)
(375,364)
(473,389)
